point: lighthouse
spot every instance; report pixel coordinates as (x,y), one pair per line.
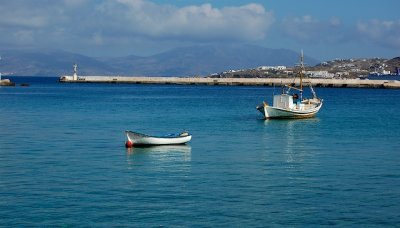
(75,76)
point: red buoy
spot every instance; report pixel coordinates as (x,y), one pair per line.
(129,144)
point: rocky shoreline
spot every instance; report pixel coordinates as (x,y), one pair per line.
(6,82)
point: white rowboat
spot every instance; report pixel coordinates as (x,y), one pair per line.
(135,138)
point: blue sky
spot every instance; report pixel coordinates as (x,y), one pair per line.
(324,29)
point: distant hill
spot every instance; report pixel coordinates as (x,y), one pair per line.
(393,63)
(204,60)
(187,61)
(47,63)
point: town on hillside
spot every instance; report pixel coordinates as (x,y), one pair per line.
(338,68)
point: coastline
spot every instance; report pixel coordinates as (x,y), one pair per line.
(339,83)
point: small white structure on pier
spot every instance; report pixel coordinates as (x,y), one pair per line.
(75,75)
(271,68)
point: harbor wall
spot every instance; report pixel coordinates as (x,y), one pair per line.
(352,83)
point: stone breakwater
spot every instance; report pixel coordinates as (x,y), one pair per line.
(351,83)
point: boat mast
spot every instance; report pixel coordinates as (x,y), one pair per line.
(301,74)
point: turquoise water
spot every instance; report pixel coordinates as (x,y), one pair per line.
(63,160)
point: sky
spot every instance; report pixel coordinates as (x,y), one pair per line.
(324,29)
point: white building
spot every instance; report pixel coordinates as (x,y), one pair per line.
(271,68)
(319,74)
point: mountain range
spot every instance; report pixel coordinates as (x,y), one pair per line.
(187,61)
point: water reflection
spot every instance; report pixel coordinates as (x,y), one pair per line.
(159,154)
(296,138)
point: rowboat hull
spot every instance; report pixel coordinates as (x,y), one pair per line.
(142,139)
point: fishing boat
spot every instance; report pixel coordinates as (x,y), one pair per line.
(135,138)
(291,104)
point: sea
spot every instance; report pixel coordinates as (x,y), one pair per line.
(63,162)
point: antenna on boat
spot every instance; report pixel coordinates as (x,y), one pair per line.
(273,91)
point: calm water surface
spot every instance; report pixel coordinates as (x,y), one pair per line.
(63,160)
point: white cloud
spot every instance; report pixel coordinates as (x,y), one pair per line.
(302,28)
(106,23)
(384,33)
(33,21)
(308,29)
(74,3)
(334,21)
(198,22)
(97,39)
(112,27)
(27,16)
(23,37)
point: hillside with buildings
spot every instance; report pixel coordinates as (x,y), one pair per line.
(338,68)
